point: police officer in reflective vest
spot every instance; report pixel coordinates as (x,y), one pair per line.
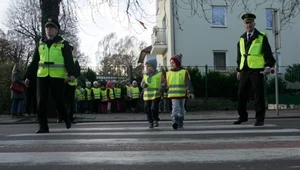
(254,59)
(51,62)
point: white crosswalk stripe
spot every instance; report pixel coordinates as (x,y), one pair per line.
(132,142)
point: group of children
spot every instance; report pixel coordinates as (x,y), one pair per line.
(176,83)
(157,89)
(105,97)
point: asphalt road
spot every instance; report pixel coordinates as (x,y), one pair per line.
(203,144)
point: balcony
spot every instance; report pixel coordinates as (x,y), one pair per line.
(159,41)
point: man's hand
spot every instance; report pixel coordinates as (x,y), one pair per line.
(71,78)
(27,81)
(191,96)
(267,70)
(67,79)
(238,75)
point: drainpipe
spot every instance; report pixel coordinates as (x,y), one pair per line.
(173,46)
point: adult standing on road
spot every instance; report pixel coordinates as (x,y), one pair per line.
(254,59)
(52,62)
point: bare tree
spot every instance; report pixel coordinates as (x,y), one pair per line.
(116,55)
(134,10)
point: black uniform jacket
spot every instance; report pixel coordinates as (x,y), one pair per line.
(266,50)
(67,54)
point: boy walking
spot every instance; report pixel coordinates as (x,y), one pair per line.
(178,84)
(153,83)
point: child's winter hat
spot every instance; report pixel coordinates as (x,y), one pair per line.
(177,59)
(152,63)
(109,83)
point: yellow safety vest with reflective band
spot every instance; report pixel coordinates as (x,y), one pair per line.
(88,94)
(103,95)
(152,91)
(255,57)
(96,92)
(74,83)
(111,93)
(117,93)
(135,92)
(176,83)
(51,60)
(79,95)
(127,90)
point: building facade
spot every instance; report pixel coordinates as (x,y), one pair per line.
(212,40)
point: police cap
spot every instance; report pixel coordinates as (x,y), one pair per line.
(248,17)
(52,22)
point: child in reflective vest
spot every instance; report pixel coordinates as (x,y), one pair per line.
(178,83)
(153,85)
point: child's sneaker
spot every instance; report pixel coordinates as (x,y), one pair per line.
(175,125)
(151,125)
(156,124)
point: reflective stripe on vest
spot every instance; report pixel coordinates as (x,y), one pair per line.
(51,60)
(117,93)
(103,95)
(96,92)
(111,93)
(255,57)
(152,91)
(135,92)
(127,90)
(79,95)
(88,94)
(176,83)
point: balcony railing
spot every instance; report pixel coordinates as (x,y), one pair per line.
(159,41)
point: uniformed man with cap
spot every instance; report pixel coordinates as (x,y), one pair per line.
(254,59)
(51,62)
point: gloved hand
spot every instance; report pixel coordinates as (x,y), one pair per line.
(145,85)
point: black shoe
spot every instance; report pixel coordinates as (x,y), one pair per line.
(239,121)
(68,124)
(259,123)
(42,130)
(175,125)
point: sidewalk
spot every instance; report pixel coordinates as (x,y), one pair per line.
(119,117)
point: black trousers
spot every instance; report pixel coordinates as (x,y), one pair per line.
(31,102)
(248,78)
(151,109)
(69,97)
(55,87)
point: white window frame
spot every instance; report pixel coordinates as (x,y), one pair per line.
(216,13)
(269,18)
(225,60)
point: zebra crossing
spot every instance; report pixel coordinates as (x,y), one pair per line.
(130,143)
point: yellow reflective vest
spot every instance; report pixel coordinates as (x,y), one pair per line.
(111,94)
(96,92)
(255,57)
(88,94)
(135,92)
(176,83)
(79,95)
(51,60)
(152,91)
(103,95)
(117,92)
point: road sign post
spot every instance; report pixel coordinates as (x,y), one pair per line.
(276,32)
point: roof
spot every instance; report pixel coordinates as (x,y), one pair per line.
(143,53)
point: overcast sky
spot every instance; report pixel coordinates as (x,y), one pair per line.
(104,23)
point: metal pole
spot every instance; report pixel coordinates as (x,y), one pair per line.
(276,81)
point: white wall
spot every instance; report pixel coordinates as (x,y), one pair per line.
(198,39)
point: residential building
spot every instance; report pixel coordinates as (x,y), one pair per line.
(213,40)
